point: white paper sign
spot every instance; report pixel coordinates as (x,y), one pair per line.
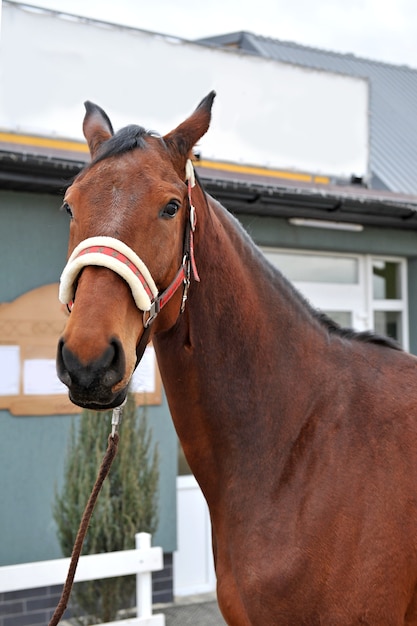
(9,370)
(143,379)
(40,378)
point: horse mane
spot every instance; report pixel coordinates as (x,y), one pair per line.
(366,336)
(126,139)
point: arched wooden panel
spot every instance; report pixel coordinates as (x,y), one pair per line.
(29,330)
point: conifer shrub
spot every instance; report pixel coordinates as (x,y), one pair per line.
(127,503)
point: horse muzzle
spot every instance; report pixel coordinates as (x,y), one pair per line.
(98,384)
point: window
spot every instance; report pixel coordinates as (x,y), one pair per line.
(359,291)
(386,279)
(317,268)
(388,298)
(388,323)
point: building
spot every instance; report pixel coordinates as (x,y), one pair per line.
(344,228)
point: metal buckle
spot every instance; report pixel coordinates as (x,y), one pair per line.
(116,418)
(152,313)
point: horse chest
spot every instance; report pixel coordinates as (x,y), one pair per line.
(310,560)
(281,594)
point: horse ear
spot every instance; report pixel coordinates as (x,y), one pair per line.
(183,138)
(96,127)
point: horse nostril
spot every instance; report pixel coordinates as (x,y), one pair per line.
(114,370)
(61,369)
(107,370)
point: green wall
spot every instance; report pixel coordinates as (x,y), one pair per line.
(33,248)
(273,231)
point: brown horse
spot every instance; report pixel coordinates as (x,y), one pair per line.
(302,435)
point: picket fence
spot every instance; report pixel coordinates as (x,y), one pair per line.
(141,561)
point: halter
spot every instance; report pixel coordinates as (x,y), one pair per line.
(117,256)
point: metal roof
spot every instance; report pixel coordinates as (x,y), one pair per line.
(341,203)
(393,102)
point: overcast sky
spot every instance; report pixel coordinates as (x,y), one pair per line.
(383,30)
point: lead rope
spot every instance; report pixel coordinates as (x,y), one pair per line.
(111,451)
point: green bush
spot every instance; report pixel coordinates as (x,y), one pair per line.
(127,503)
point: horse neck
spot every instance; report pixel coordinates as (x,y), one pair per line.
(243,303)
(234,359)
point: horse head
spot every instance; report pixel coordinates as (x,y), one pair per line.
(130,251)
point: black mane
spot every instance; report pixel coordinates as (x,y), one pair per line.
(366,336)
(126,139)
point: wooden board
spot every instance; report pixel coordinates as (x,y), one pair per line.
(30,327)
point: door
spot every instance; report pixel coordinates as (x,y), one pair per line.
(193,561)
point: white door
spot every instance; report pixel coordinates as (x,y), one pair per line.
(193,561)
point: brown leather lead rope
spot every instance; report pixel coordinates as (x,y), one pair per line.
(88,511)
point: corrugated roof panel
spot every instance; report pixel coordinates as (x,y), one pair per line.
(393,102)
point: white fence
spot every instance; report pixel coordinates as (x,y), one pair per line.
(141,561)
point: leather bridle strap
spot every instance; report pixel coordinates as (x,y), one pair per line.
(160,301)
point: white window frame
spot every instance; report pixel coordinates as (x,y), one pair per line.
(365,278)
(399,305)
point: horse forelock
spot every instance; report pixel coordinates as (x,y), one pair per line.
(126,139)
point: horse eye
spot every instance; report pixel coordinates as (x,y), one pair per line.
(66,207)
(171,209)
